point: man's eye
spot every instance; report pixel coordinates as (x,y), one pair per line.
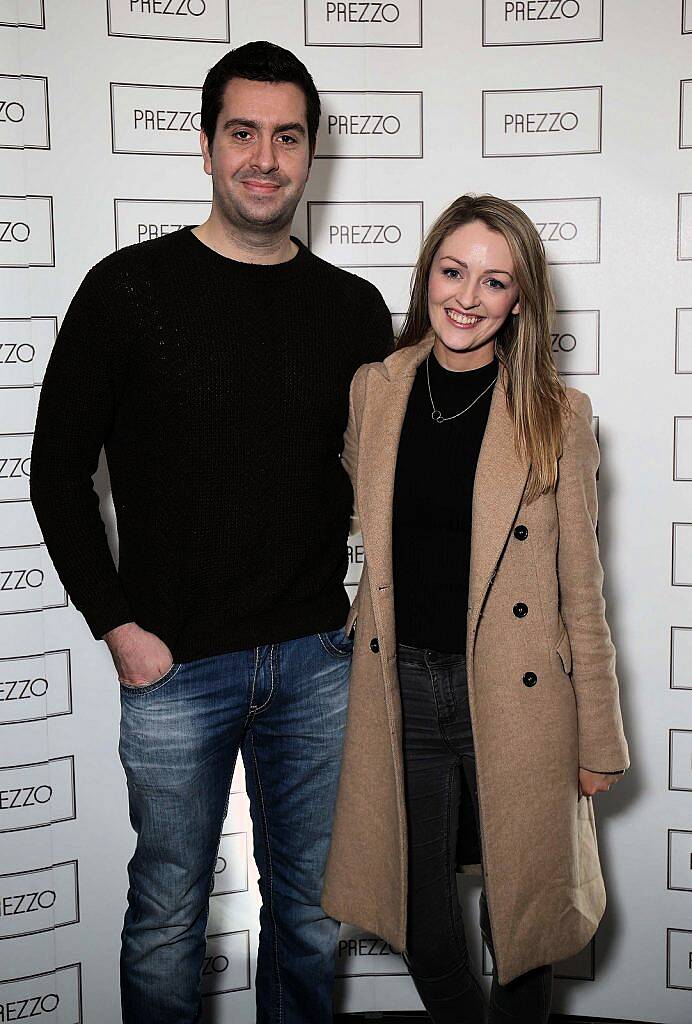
(241,131)
(286,138)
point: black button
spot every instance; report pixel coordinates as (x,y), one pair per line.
(530,678)
(520,610)
(521,532)
(375,645)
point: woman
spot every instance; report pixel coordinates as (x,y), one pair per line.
(483,694)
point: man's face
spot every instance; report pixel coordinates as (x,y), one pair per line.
(260,157)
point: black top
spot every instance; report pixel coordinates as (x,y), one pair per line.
(433,493)
(220,392)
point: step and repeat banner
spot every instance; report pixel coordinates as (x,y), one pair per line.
(578,110)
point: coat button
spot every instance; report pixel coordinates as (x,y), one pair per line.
(520,610)
(521,532)
(530,678)
(375,645)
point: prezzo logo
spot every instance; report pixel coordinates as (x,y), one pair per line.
(34,795)
(685,226)
(53,997)
(39,900)
(576,341)
(570,229)
(683,341)
(32,16)
(202,21)
(680,860)
(358,23)
(680,760)
(366,233)
(679,958)
(686,16)
(681,568)
(26,231)
(24,122)
(685,134)
(681,663)
(231,870)
(25,345)
(682,448)
(361,955)
(532,22)
(542,122)
(139,220)
(362,125)
(226,964)
(35,686)
(15,466)
(155,119)
(28,580)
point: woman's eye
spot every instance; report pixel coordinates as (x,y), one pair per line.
(451,272)
(494,283)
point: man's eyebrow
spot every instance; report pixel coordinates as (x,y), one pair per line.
(246,122)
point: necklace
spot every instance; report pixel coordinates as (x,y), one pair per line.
(436,415)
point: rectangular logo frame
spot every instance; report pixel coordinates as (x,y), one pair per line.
(596,148)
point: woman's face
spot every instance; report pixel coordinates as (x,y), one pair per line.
(471,292)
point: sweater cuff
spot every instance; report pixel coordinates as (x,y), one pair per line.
(101,620)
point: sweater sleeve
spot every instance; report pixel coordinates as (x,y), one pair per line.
(602,743)
(82,384)
(377,329)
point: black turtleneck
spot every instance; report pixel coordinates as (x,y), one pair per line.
(433,493)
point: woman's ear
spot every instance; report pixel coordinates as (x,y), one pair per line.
(516,307)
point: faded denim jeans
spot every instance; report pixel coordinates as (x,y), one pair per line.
(283,706)
(438,759)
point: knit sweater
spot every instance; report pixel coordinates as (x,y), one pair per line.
(219,390)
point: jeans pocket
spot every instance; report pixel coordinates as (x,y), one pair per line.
(337,643)
(155,684)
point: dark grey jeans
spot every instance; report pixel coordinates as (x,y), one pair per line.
(438,760)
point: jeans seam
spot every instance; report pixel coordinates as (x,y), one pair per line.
(252,686)
(166,678)
(331,650)
(261,707)
(451,875)
(271,877)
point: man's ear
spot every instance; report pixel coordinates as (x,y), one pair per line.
(206,151)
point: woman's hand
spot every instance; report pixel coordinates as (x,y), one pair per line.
(594,782)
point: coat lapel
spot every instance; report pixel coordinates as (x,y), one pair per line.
(386,400)
(498,489)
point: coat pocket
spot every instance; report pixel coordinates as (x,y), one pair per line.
(564,651)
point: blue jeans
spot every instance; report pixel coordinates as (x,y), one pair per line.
(284,707)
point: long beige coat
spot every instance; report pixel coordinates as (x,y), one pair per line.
(543,880)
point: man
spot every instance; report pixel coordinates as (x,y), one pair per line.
(214,366)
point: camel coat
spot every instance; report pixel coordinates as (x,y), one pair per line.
(543,879)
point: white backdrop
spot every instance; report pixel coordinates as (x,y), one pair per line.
(577,109)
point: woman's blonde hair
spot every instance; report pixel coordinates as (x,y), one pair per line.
(535,395)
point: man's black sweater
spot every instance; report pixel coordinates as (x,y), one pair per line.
(219,390)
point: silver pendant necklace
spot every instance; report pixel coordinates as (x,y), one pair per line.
(436,415)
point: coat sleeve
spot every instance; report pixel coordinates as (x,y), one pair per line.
(602,743)
(349,457)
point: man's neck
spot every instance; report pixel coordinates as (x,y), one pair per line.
(246,246)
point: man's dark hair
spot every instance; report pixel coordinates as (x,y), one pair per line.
(259,61)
